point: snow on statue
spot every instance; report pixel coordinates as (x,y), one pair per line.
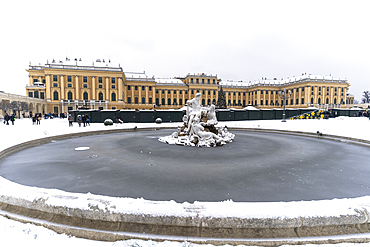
(200,127)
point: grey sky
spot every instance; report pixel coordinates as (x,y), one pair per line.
(237,40)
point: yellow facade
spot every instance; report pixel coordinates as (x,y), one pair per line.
(72,85)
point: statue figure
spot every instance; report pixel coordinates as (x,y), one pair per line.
(199,127)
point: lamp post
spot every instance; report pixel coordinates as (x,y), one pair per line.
(284,95)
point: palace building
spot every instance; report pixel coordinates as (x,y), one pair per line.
(75,84)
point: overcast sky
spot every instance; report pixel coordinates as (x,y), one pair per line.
(237,40)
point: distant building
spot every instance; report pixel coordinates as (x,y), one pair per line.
(74,84)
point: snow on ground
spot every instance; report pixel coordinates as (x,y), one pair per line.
(19,234)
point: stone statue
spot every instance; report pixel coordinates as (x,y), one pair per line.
(199,127)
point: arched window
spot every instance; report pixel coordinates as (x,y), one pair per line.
(327,100)
(335,101)
(114,97)
(180,101)
(100,96)
(311,100)
(175,101)
(169,101)
(163,101)
(70,95)
(56,95)
(86,96)
(209,102)
(203,101)
(319,101)
(36,94)
(157,101)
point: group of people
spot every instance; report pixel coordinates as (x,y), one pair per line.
(362,114)
(36,118)
(84,119)
(8,118)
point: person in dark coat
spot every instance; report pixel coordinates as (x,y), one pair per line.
(12,118)
(70,120)
(6,119)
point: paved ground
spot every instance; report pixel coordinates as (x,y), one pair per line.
(255,167)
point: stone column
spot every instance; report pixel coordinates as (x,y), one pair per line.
(30,80)
(93,86)
(331,95)
(48,88)
(147,95)
(62,88)
(107,96)
(139,89)
(120,89)
(77,88)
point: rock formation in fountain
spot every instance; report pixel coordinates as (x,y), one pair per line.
(200,127)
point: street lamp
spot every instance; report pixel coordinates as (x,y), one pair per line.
(284,95)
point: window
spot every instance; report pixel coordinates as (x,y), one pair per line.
(150,88)
(69,78)
(135,88)
(297,101)
(163,101)
(100,86)
(180,92)
(113,86)
(169,91)
(169,101)
(113,97)
(157,101)
(302,89)
(42,95)
(69,85)
(191,80)
(55,84)
(203,101)
(30,94)
(85,79)
(113,80)
(100,96)
(100,79)
(56,95)
(128,100)
(174,101)
(55,78)
(162,91)
(128,87)
(319,89)
(208,81)
(311,100)
(180,101)
(150,101)
(85,85)
(70,95)
(202,81)
(143,100)
(174,91)
(213,81)
(327,100)
(136,100)
(197,80)
(86,96)
(143,88)
(156,91)
(319,101)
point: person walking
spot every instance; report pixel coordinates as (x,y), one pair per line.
(79,120)
(70,120)
(87,120)
(6,119)
(38,118)
(12,118)
(84,120)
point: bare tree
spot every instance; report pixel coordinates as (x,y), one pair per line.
(366,97)
(19,106)
(5,105)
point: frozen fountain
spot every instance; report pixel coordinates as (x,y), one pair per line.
(200,127)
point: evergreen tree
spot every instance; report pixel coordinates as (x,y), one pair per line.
(221,101)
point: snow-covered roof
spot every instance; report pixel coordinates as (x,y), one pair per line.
(295,79)
(170,82)
(98,64)
(137,76)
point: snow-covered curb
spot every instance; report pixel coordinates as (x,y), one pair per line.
(338,213)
